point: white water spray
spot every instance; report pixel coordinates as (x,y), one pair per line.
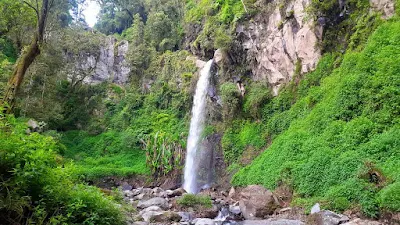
(196,129)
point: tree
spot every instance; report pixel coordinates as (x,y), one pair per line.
(29,54)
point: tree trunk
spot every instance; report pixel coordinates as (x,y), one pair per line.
(25,60)
(23,63)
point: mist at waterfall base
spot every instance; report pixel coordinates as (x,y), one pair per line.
(198,168)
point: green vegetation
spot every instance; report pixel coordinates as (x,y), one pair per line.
(106,154)
(38,186)
(191,200)
(338,142)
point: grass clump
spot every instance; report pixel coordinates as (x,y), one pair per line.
(192,200)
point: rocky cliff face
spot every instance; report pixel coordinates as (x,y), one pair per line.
(279,40)
(111,64)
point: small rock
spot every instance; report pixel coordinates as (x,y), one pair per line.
(157,191)
(178,192)
(235,209)
(203,221)
(223,193)
(186,216)
(232,192)
(315,209)
(157,201)
(136,192)
(128,193)
(139,197)
(126,187)
(169,193)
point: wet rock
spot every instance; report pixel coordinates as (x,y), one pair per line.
(163,216)
(208,213)
(203,221)
(157,201)
(235,209)
(326,217)
(219,56)
(176,192)
(271,222)
(257,202)
(186,216)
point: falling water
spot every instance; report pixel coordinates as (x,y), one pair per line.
(196,128)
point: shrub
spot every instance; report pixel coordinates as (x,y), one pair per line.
(389,197)
(230,100)
(240,136)
(256,96)
(191,200)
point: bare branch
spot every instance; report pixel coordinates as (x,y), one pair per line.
(36,10)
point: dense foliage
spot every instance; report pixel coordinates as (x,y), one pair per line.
(39,187)
(339,141)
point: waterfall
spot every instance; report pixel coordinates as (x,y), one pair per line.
(193,155)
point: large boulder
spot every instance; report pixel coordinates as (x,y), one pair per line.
(157,201)
(326,217)
(33,125)
(161,216)
(257,202)
(150,209)
(176,192)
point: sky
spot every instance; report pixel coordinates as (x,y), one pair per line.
(91,11)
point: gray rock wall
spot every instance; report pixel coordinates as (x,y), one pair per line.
(111,64)
(276,40)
